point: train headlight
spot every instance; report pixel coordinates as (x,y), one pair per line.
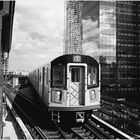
(58,96)
(92,95)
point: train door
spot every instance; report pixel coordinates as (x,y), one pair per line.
(76,85)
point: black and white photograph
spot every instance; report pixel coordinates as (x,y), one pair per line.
(69,69)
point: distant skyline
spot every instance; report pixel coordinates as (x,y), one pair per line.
(38,30)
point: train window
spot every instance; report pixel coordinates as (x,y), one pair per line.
(92,77)
(58,76)
(75,74)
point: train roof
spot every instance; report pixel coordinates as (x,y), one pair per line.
(71,58)
(74,58)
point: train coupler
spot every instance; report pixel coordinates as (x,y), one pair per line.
(55,116)
(80,117)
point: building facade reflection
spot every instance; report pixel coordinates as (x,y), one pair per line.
(111,35)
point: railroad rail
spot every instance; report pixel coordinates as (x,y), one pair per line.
(36,132)
(120,100)
(32,129)
(18,121)
(93,128)
(121,114)
(17,92)
(86,132)
(122,104)
(107,130)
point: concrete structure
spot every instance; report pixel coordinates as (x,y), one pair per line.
(15,81)
(19,73)
(73,38)
(6,22)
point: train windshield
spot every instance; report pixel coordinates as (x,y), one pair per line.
(58,76)
(75,75)
(92,77)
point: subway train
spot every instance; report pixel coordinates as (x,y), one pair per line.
(68,86)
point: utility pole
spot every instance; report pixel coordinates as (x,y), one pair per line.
(5,66)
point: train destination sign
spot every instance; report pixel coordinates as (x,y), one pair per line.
(76,58)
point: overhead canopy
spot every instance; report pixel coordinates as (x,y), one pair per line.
(7,24)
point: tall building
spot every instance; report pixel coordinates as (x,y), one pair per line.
(111,34)
(73,37)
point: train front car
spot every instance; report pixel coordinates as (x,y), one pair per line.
(75,87)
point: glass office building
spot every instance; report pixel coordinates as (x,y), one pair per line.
(111,35)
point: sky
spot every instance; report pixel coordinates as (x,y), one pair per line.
(38,30)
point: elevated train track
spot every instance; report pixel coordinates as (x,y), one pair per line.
(91,129)
(19,123)
(108,130)
(121,114)
(31,127)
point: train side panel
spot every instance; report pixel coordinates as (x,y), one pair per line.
(43,80)
(46,84)
(40,82)
(36,80)
(40,79)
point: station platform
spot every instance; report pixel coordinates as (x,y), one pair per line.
(10,129)
(13,126)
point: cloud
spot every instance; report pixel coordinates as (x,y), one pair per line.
(37,33)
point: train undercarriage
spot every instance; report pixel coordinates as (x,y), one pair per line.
(70,117)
